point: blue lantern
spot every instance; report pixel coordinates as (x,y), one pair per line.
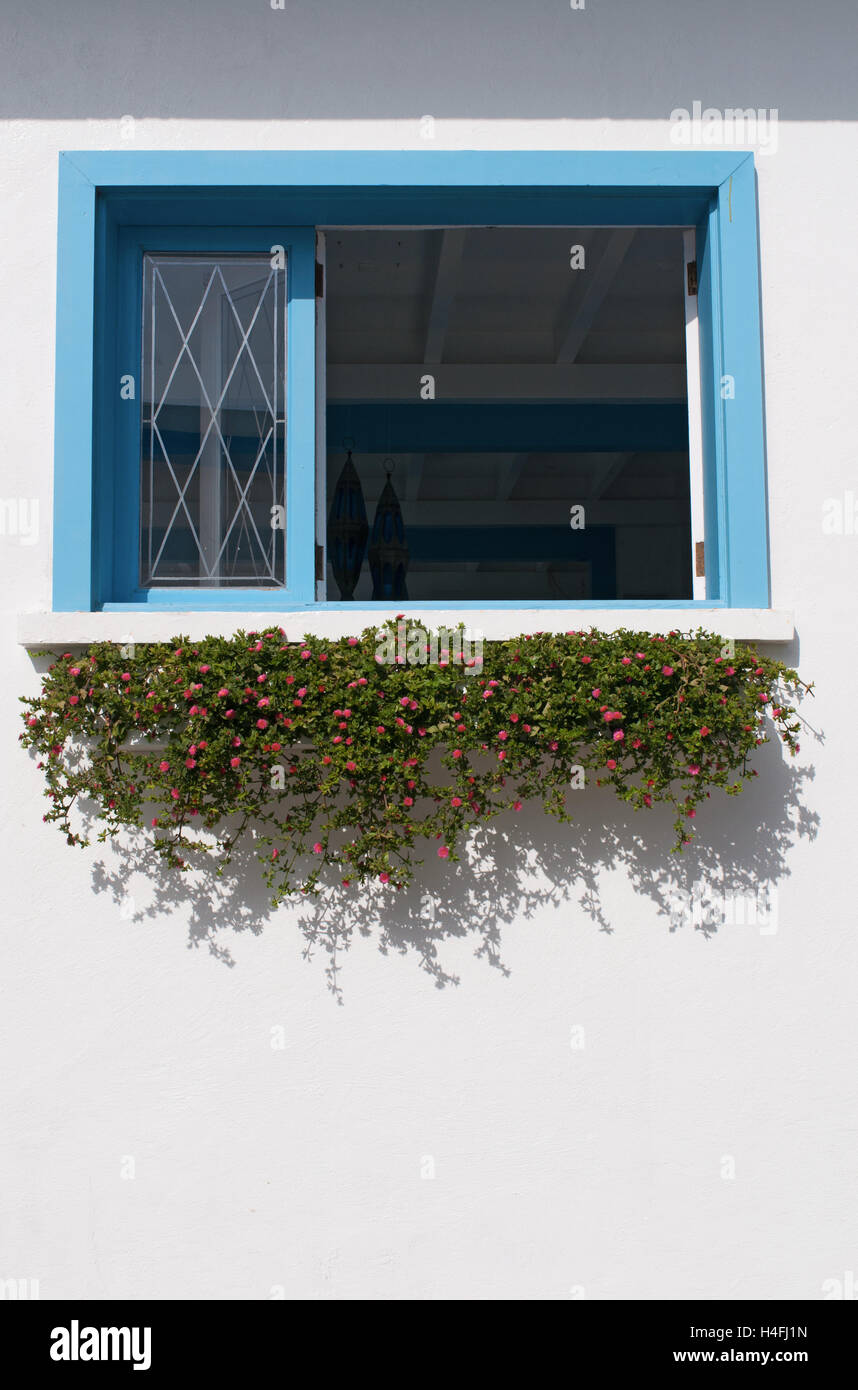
(347,529)
(388,548)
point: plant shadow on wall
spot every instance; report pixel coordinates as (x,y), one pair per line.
(510,873)
(337,801)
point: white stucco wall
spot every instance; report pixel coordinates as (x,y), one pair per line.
(581,1105)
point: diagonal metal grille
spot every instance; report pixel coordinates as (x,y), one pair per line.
(213,422)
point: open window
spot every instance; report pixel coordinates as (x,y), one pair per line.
(530,399)
(546,365)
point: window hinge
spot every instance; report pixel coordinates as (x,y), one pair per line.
(320,280)
(692,277)
(320,562)
(699,561)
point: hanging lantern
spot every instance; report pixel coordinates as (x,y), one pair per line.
(388,548)
(347,529)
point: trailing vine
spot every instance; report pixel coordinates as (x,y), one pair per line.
(338,763)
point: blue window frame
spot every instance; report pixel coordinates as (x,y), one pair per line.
(118,492)
(115,206)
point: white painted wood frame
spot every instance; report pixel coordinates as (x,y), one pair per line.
(695,415)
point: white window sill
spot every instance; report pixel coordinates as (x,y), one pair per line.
(80,629)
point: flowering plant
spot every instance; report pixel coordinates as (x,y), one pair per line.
(338,763)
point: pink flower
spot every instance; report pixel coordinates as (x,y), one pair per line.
(73,699)
(260,679)
(627,661)
(596,693)
(353,641)
(260,704)
(126,676)
(174,794)
(443,852)
(647,800)
(764,698)
(164,767)
(694,769)
(514,718)
(456,801)
(190,762)
(222,692)
(385,878)
(516,805)
(302,692)
(317,848)
(234,762)
(731,671)
(667,670)
(503,734)
(640,656)
(611,763)
(408,801)
(380,729)
(32,719)
(457,752)
(585,660)
(691,813)
(154,820)
(704,731)
(262,723)
(323,656)
(618,735)
(305,656)
(351,767)
(74,670)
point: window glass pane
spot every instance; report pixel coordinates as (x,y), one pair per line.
(525,389)
(213,422)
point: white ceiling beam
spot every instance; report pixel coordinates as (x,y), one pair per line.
(588,294)
(665,511)
(491,381)
(443,292)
